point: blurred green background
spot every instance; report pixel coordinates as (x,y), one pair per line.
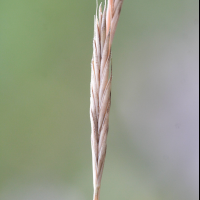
(45,55)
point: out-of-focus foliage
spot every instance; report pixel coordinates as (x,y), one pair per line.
(45,54)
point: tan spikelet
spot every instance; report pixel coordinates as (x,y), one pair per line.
(100,87)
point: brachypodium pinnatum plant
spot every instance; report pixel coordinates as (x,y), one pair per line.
(105,23)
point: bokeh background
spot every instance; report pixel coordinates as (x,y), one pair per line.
(45,55)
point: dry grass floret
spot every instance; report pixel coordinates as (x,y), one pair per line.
(100,89)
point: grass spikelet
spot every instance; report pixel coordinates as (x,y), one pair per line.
(105,23)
